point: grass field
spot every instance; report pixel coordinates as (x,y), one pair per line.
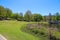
(11,30)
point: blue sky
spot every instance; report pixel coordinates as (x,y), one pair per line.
(43,7)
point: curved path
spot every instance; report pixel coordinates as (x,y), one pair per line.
(2,37)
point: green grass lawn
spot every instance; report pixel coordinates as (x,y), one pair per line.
(11,30)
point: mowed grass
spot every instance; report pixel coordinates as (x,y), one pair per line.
(11,30)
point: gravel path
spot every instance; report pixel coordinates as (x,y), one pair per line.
(2,37)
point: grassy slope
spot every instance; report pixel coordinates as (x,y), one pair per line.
(11,30)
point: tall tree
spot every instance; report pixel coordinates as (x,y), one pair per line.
(8,13)
(21,16)
(21,13)
(2,12)
(50,17)
(28,15)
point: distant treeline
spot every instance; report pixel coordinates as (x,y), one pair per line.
(7,14)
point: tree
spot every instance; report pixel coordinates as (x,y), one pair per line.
(57,16)
(17,16)
(44,18)
(50,17)
(37,17)
(5,12)
(27,16)
(54,18)
(21,16)
(8,13)
(2,12)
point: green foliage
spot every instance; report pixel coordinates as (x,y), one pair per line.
(2,12)
(8,13)
(54,18)
(27,16)
(5,12)
(38,32)
(37,17)
(17,17)
(57,16)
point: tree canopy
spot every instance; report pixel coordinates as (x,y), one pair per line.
(6,13)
